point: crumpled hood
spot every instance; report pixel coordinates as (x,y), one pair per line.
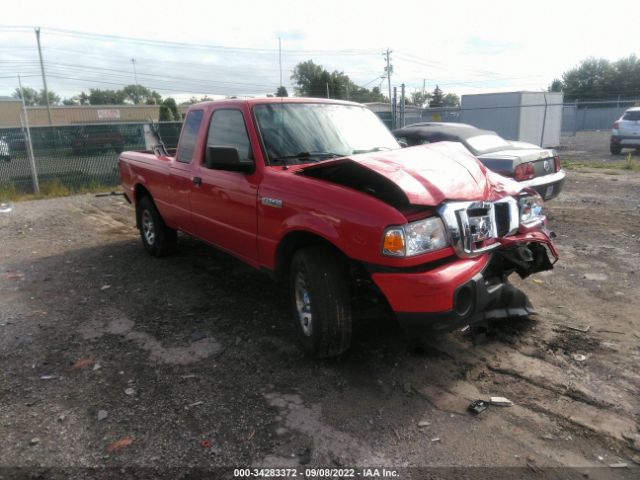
(429,174)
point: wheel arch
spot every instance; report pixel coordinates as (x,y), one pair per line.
(139,192)
(294,241)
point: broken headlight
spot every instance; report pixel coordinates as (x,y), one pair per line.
(530,208)
(415,238)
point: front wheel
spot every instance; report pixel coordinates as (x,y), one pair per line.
(615,149)
(321,302)
(158,239)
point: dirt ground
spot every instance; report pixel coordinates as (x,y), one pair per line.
(110,358)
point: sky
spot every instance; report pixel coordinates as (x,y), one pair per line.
(187,48)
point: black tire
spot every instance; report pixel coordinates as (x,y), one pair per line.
(615,150)
(158,239)
(324,277)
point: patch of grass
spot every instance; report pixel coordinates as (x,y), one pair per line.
(51,189)
(7,192)
(628,164)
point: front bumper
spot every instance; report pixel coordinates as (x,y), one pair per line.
(547,186)
(466,291)
(476,301)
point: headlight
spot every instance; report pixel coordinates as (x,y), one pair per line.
(530,207)
(415,238)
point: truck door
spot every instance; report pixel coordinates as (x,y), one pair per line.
(223,203)
(181,174)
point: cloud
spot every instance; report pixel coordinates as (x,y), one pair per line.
(463,46)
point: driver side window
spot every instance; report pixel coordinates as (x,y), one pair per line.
(227,128)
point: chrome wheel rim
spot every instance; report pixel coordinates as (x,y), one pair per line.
(148,229)
(303,304)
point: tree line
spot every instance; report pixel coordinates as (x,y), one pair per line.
(312,80)
(600,79)
(130,94)
(309,79)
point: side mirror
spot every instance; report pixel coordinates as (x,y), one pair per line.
(226,158)
(403,143)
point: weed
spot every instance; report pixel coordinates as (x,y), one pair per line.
(50,189)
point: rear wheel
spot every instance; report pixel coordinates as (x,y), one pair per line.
(158,239)
(615,149)
(320,302)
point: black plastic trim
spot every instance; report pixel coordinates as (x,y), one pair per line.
(424,267)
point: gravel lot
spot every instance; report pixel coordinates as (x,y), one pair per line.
(591,146)
(111,358)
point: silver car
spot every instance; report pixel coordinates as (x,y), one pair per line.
(626,131)
(532,166)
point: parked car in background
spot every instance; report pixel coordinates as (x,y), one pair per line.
(532,166)
(5,153)
(626,131)
(97,138)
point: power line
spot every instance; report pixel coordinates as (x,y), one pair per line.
(154,87)
(164,43)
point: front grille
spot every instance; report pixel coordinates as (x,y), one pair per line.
(470,224)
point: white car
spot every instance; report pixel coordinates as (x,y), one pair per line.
(626,131)
(5,154)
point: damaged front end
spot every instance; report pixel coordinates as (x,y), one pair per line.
(487,295)
(491,241)
(470,227)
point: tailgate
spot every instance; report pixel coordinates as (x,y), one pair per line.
(629,127)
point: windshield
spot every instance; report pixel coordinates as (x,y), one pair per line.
(305,132)
(487,143)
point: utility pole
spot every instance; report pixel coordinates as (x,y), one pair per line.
(389,70)
(280,58)
(32,161)
(44,77)
(424,84)
(327,84)
(135,74)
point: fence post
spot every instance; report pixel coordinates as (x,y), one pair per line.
(394,108)
(544,121)
(29,145)
(32,160)
(402,110)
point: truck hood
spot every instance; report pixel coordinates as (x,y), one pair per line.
(422,175)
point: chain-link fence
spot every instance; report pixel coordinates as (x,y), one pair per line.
(74,156)
(576,116)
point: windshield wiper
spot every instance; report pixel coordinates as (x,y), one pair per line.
(374,149)
(306,156)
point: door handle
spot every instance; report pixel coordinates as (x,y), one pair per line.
(197,181)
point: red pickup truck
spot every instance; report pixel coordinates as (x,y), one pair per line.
(320,193)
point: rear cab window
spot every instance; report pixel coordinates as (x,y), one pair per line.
(187,145)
